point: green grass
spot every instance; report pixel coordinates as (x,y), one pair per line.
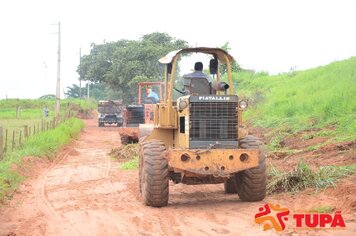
(303,177)
(17,123)
(128,152)
(43,145)
(130,165)
(322,209)
(25,113)
(31,114)
(305,100)
(33,108)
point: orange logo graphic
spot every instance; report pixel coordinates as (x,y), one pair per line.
(277,221)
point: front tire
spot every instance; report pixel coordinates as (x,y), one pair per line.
(250,184)
(154,174)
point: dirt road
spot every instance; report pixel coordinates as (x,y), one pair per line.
(86,193)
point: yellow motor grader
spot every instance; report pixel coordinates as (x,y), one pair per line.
(199,138)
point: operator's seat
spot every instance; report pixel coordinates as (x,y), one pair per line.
(196,86)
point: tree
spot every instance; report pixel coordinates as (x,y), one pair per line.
(72,92)
(235,67)
(99,91)
(119,64)
(48,96)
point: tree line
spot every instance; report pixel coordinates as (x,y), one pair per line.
(114,68)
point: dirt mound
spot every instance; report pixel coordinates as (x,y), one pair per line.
(31,166)
(309,146)
(125,152)
(317,152)
(128,135)
(341,198)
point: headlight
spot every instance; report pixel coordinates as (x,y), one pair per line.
(182,105)
(243,104)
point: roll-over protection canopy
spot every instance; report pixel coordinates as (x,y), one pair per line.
(216,52)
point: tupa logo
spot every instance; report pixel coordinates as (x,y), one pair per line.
(277,221)
(274,216)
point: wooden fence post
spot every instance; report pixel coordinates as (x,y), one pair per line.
(54,123)
(1,145)
(25,132)
(5,150)
(29,131)
(20,138)
(13,141)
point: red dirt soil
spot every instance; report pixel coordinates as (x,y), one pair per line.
(84,192)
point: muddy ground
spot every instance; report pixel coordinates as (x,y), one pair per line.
(84,192)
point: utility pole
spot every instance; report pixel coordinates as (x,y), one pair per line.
(58,73)
(80,79)
(88,89)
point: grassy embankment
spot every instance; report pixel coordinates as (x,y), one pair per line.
(31,114)
(43,145)
(321,100)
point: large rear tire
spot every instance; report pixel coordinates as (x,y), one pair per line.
(250,184)
(154,174)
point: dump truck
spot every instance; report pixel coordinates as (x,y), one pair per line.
(110,112)
(199,138)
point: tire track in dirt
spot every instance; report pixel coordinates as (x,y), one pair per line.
(83,188)
(92,196)
(52,210)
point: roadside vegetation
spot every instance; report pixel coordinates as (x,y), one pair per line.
(15,114)
(43,145)
(300,106)
(323,97)
(128,154)
(131,164)
(33,108)
(302,177)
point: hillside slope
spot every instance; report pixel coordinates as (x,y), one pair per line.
(303,100)
(307,120)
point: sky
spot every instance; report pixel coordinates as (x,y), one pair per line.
(272,35)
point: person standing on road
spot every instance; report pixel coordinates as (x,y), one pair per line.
(45,112)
